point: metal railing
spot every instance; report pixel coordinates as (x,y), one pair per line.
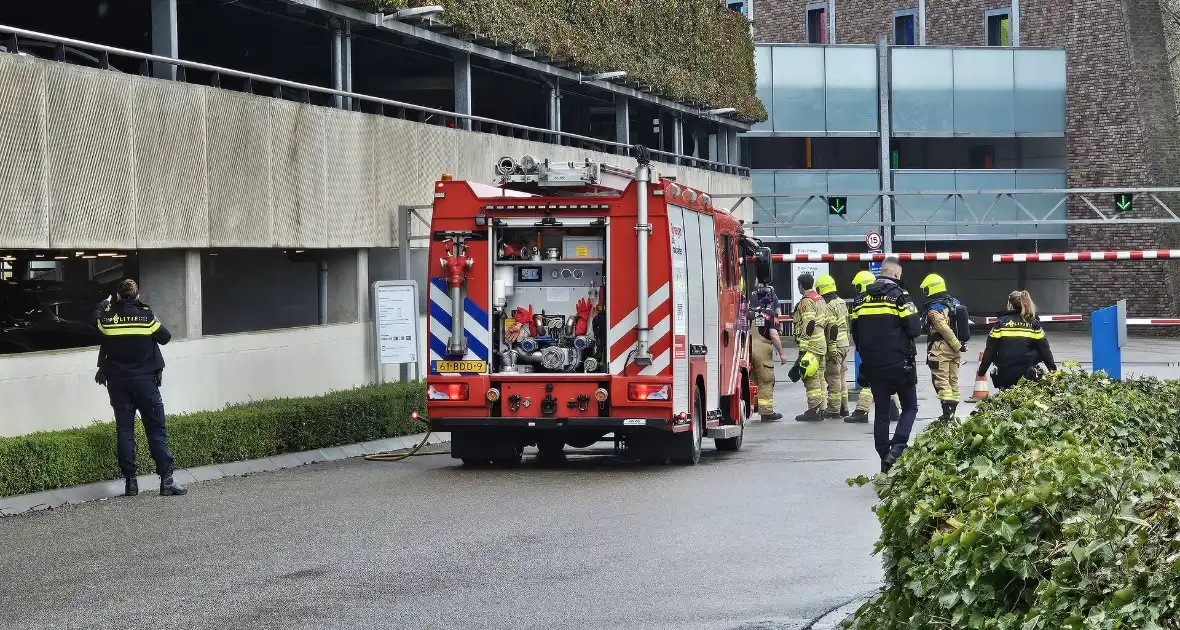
(886,206)
(10,38)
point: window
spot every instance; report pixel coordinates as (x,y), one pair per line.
(999,29)
(817,23)
(738,6)
(727,276)
(903,28)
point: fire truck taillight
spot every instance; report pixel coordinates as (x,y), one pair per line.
(600,395)
(449,391)
(493,395)
(647,391)
(446,177)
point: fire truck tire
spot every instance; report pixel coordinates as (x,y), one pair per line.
(686,447)
(735,443)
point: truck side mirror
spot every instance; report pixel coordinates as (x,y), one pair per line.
(762,265)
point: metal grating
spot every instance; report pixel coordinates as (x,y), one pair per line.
(238,141)
(88,119)
(350,187)
(24,216)
(170,170)
(297,175)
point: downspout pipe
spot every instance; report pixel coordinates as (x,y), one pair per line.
(642,232)
(323,291)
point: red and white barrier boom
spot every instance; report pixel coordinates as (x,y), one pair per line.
(864,257)
(1141,321)
(1138,254)
(1048,318)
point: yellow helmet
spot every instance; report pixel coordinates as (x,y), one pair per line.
(863,280)
(933,285)
(809,364)
(825,284)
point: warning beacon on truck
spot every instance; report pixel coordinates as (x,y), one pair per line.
(572,301)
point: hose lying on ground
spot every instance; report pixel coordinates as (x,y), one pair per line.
(394,456)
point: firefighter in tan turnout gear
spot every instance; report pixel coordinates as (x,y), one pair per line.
(764,342)
(865,404)
(810,321)
(946,327)
(836,362)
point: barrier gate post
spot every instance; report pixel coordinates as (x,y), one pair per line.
(1108,335)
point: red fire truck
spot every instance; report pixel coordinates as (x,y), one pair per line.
(570,301)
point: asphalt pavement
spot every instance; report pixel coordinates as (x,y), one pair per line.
(770,537)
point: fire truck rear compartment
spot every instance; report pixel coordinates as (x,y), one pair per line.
(547,296)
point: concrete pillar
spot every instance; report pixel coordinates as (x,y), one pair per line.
(347,62)
(735,151)
(337,60)
(885,133)
(677,138)
(623,122)
(463,88)
(170,281)
(348,281)
(722,145)
(164,41)
(554,121)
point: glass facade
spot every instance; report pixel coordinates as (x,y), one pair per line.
(817,90)
(989,92)
(996,106)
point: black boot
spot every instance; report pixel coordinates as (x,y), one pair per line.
(890,458)
(169,487)
(858,417)
(131,487)
(948,410)
(773,416)
(811,415)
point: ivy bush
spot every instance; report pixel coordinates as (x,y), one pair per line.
(58,459)
(688,50)
(1055,505)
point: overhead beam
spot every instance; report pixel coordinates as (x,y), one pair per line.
(417,32)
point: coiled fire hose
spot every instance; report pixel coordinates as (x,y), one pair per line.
(394,456)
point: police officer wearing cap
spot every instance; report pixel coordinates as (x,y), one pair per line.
(864,403)
(130,365)
(885,324)
(764,342)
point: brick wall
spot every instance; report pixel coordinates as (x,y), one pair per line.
(1121,105)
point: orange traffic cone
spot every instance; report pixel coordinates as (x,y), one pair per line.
(981,389)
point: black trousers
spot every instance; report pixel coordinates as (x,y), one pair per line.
(884,386)
(1007,376)
(139,393)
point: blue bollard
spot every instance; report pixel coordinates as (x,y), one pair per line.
(1105,349)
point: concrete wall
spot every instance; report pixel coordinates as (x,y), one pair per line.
(97,158)
(48,391)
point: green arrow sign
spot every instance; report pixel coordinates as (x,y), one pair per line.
(1124,201)
(837,205)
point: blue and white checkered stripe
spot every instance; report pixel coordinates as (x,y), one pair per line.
(475,325)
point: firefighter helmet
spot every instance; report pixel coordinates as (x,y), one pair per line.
(805,367)
(825,284)
(933,285)
(863,280)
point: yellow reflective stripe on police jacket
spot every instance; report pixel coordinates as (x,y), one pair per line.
(877,308)
(134,328)
(1029,333)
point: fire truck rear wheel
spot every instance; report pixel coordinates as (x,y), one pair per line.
(687,446)
(735,443)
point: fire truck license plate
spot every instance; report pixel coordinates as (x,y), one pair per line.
(451,367)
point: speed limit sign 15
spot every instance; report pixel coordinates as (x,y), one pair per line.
(873,240)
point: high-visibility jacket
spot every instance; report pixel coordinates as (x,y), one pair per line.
(810,321)
(885,323)
(838,334)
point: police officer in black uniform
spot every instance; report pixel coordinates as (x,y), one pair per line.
(131,366)
(885,323)
(1016,344)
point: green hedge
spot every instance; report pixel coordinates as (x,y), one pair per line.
(57,459)
(689,50)
(1055,505)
